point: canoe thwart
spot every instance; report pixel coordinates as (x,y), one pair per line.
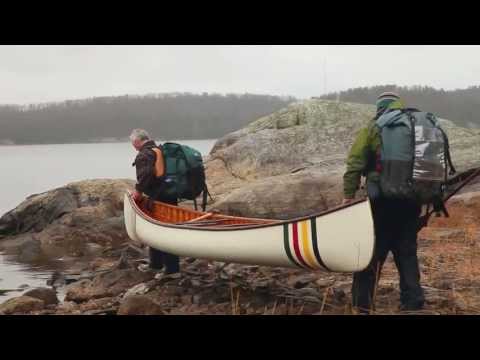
(206,216)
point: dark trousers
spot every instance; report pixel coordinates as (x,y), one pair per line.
(396,231)
(159,259)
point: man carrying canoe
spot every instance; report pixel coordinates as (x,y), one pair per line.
(395,219)
(150,182)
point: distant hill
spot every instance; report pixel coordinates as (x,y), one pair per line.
(462,106)
(165,116)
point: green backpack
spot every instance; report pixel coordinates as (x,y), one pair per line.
(184,173)
(414,157)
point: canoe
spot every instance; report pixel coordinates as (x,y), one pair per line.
(338,240)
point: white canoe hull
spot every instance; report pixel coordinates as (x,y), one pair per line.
(339,241)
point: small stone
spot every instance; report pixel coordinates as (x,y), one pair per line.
(195,282)
(324,282)
(197,299)
(139,305)
(301,281)
(174,276)
(163,278)
(67,307)
(187,299)
(139,289)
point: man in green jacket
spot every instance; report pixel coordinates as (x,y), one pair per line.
(395,220)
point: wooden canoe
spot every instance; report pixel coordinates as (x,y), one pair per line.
(338,240)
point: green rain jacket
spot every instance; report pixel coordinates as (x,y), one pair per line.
(362,157)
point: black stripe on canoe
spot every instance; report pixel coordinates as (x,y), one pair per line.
(287,245)
(313,222)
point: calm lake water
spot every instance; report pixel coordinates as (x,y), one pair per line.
(33,169)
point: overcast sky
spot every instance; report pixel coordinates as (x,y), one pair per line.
(33,74)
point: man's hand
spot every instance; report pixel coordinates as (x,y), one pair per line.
(347,201)
(137,195)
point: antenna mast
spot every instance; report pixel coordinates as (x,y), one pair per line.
(325,76)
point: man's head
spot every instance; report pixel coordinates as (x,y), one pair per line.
(387,100)
(139,137)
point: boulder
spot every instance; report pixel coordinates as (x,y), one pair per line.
(49,296)
(291,163)
(21,305)
(78,219)
(107,284)
(284,196)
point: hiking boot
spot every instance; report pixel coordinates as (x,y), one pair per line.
(361,311)
(412,306)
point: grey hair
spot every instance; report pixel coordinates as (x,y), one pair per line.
(139,134)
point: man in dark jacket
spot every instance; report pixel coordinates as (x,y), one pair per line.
(151,185)
(395,220)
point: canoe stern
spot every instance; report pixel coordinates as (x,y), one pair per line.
(130,219)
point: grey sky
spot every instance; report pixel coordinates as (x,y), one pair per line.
(32,74)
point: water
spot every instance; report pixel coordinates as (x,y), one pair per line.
(33,169)
(15,278)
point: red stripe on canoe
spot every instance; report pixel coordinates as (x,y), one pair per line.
(296,246)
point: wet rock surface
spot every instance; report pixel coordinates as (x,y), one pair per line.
(77,220)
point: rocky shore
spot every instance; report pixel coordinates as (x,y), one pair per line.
(284,165)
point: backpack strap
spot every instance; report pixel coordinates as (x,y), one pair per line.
(410,110)
(205,191)
(205,195)
(204,199)
(411,120)
(160,168)
(158,151)
(447,153)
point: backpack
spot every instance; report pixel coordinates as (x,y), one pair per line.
(184,176)
(414,157)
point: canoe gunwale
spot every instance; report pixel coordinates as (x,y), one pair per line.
(139,212)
